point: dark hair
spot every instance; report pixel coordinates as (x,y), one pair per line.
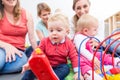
(16,11)
(75,17)
(42,6)
(74,3)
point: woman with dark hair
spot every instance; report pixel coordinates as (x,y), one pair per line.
(81,7)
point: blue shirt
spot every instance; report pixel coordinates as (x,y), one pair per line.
(41,26)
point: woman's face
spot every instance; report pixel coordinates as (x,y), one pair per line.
(9,3)
(82,7)
(44,16)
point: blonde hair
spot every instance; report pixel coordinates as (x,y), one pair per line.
(42,6)
(60,17)
(16,11)
(84,21)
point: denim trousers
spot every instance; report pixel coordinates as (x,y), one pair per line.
(11,67)
(111,48)
(29,50)
(61,71)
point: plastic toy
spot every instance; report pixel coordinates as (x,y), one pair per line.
(40,66)
(114,72)
(112,77)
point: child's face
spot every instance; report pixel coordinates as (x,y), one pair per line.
(57,31)
(92,30)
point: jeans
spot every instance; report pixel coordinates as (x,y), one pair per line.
(29,50)
(61,71)
(11,67)
(28,75)
(113,46)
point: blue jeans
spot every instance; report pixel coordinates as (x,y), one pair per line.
(61,71)
(29,50)
(113,46)
(11,67)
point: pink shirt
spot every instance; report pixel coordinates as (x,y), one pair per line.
(58,53)
(14,34)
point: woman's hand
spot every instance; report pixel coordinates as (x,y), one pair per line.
(75,77)
(11,51)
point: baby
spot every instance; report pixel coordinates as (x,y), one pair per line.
(87,26)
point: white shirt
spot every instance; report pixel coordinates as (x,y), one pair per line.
(78,39)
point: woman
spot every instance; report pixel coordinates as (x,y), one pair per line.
(15,23)
(82,7)
(43,12)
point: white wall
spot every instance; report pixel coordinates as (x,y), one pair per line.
(101,9)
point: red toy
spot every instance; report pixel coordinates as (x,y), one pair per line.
(41,67)
(115,70)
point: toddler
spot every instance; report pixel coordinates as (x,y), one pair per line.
(58,47)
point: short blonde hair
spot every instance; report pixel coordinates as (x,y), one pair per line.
(84,21)
(60,17)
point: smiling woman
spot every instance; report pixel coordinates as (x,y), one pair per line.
(15,23)
(101,9)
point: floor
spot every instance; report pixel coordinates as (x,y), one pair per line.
(16,76)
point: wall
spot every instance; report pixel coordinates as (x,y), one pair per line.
(99,8)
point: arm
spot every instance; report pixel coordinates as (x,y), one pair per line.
(74,59)
(75,77)
(30,26)
(39,34)
(10,51)
(83,51)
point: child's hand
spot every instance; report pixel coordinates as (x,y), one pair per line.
(93,43)
(96,63)
(25,67)
(75,77)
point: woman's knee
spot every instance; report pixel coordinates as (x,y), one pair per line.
(15,66)
(22,59)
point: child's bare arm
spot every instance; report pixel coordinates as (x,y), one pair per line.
(75,77)
(96,63)
(25,67)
